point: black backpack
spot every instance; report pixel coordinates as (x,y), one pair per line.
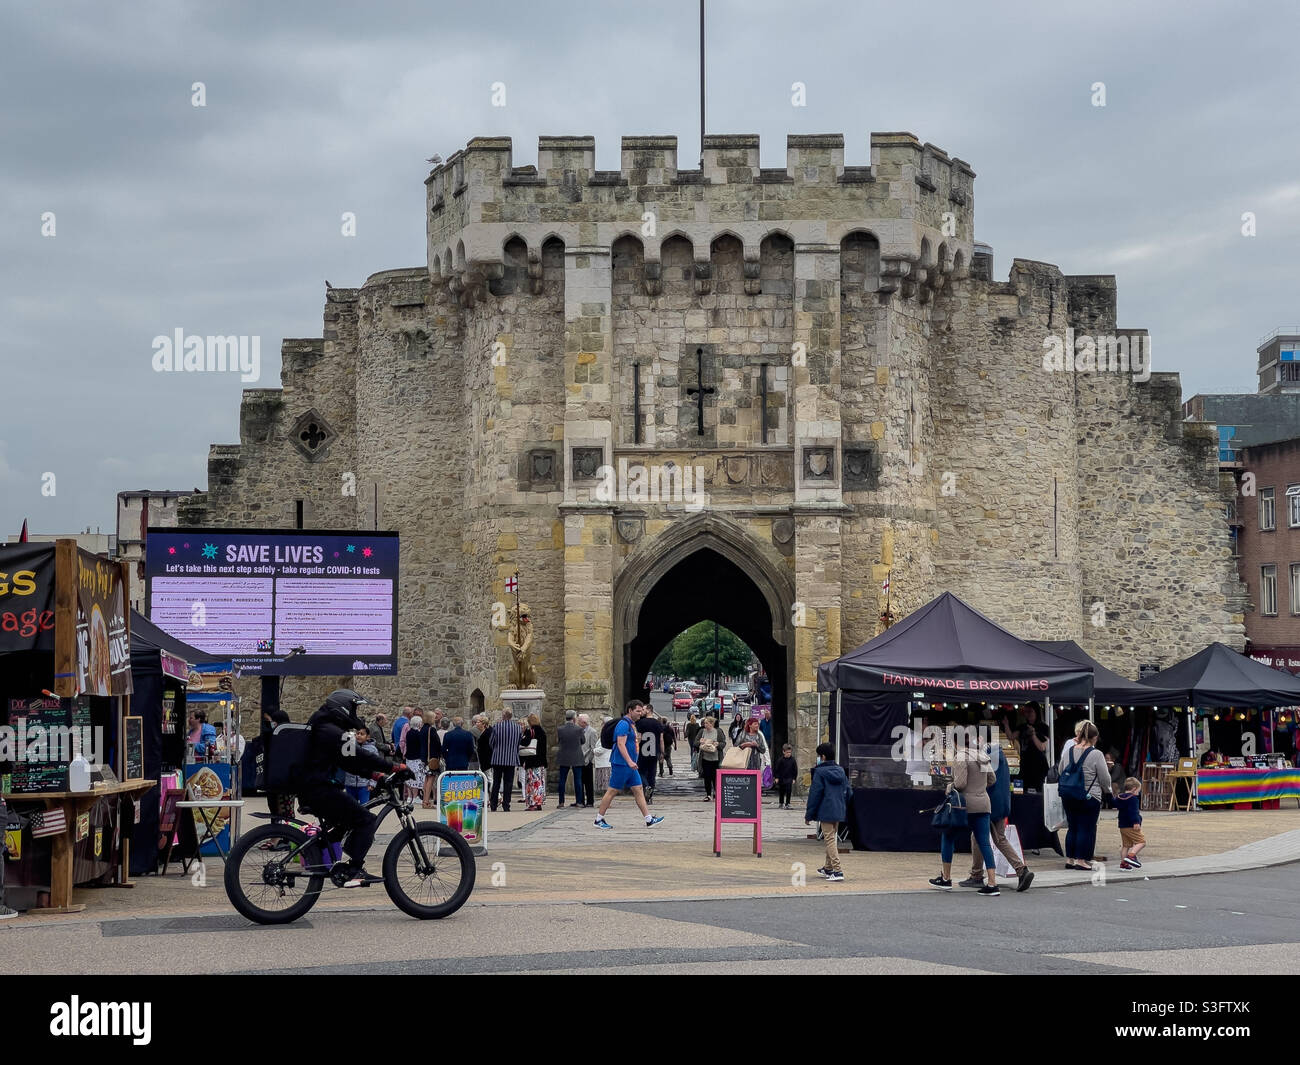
(607,734)
(288,751)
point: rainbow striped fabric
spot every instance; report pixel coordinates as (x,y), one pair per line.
(1219,786)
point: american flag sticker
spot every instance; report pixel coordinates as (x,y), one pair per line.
(49,823)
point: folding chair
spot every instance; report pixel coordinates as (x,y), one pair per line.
(1186,771)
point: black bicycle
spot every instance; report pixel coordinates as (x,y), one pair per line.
(275,873)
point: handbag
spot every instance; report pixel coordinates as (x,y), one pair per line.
(1053,809)
(736,758)
(951,813)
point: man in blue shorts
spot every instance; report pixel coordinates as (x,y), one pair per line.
(622,768)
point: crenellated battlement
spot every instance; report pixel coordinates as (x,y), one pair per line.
(913,198)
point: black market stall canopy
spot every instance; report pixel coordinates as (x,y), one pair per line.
(147,638)
(949,650)
(1110,687)
(155,656)
(1220,677)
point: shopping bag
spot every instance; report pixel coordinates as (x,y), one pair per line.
(1004,867)
(1053,808)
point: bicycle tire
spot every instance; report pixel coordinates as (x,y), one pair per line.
(461,854)
(235,888)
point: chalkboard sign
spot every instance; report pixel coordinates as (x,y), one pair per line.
(134,765)
(47,731)
(739,796)
(737,801)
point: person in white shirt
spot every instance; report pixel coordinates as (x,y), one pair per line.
(600,761)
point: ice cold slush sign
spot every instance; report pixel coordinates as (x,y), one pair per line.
(255,595)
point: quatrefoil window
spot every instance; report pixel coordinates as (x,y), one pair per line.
(312,434)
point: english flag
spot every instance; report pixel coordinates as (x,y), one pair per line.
(884,586)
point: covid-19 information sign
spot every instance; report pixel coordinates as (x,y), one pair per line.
(258,596)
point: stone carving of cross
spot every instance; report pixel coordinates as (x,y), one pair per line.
(700,392)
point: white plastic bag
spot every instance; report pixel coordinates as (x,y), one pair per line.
(1004,867)
(1053,808)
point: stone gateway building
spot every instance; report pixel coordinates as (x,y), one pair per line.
(735,393)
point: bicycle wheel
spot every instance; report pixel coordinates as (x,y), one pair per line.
(440,888)
(264,884)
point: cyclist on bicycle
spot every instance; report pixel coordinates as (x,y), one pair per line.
(331,748)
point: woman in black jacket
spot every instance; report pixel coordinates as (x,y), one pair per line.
(534,764)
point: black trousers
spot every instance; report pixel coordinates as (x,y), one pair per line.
(501,773)
(647,768)
(589,783)
(783,790)
(344,814)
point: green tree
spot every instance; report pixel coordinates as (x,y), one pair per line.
(663,665)
(693,652)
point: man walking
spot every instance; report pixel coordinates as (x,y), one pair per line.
(505,738)
(623,768)
(590,741)
(457,746)
(649,742)
(570,738)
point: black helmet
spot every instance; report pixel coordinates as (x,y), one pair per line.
(346,700)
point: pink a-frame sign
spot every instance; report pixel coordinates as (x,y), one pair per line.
(738,800)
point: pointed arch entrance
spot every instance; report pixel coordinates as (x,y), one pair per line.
(706,569)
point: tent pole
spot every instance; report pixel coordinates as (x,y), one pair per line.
(839,722)
(818,733)
(1051,732)
(1091,716)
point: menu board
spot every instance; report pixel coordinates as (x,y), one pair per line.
(739,793)
(43,730)
(134,765)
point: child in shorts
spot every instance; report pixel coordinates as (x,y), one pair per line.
(1128,803)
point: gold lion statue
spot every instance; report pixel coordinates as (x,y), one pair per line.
(519,635)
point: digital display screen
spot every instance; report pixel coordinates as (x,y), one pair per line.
(257,595)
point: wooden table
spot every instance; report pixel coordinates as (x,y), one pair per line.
(73,803)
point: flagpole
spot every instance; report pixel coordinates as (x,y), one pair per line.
(701,85)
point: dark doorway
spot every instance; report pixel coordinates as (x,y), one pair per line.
(708,586)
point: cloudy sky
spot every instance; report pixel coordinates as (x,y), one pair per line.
(225,219)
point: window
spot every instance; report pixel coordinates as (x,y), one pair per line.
(1267,514)
(1268,590)
(1293,506)
(1295,587)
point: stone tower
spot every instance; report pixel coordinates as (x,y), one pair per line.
(735,393)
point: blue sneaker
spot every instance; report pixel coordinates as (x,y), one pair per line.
(602,823)
(653,821)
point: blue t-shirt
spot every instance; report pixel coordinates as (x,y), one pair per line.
(398,725)
(1129,807)
(624,728)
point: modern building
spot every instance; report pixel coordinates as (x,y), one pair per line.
(97,543)
(1279,363)
(1268,516)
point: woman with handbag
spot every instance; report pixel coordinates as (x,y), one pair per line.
(751,740)
(711,740)
(972,776)
(532,755)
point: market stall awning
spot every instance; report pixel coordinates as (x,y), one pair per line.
(948,649)
(1112,687)
(147,637)
(1219,676)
